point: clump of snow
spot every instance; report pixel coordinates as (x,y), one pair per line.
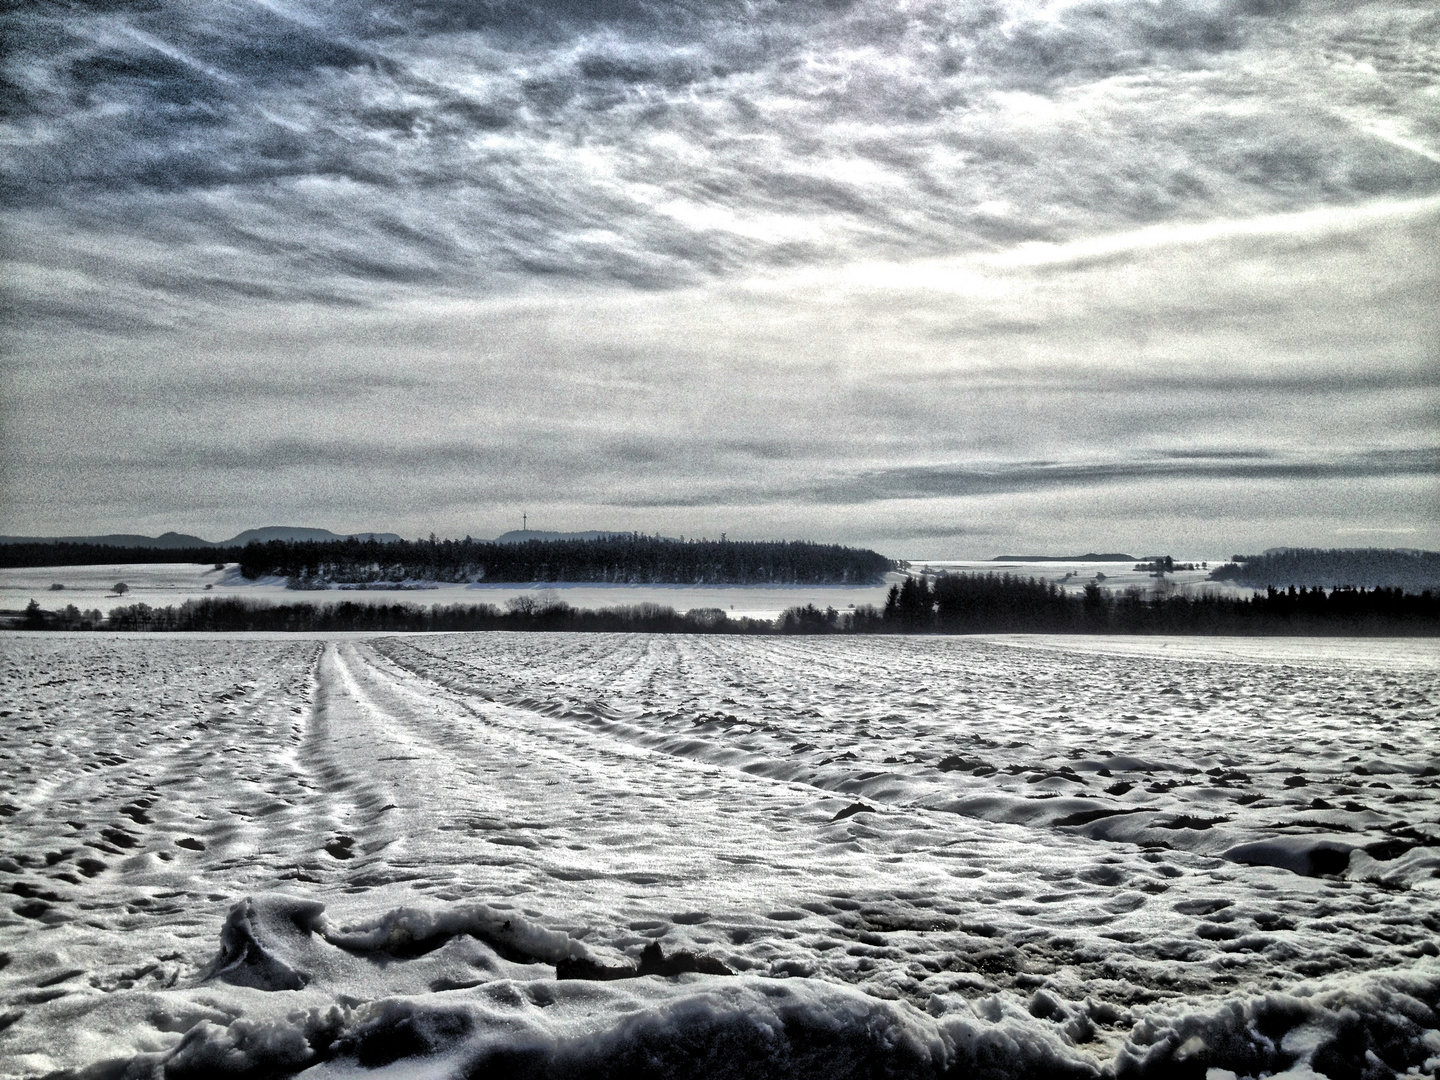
(254,948)
(1313,853)
(1374,1026)
(406,931)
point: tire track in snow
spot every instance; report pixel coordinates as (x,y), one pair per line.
(1191,745)
(882,786)
(579,814)
(347,747)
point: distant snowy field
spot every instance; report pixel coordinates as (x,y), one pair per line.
(1118,577)
(1077,858)
(163,584)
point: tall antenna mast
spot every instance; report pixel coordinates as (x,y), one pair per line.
(524,522)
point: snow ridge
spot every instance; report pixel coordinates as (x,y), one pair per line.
(752,1027)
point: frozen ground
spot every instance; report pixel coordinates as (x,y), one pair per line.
(1071,858)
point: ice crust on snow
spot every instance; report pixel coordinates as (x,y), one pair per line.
(284,855)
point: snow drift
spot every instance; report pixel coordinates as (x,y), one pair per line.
(692,1025)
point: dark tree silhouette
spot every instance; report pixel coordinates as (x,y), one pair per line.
(1364,568)
(625,558)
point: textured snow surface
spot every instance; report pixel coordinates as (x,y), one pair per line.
(1021,857)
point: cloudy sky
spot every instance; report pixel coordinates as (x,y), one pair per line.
(943,277)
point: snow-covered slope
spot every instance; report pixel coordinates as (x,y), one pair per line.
(913,856)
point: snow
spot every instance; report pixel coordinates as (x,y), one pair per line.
(165,584)
(1073,576)
(1074,857)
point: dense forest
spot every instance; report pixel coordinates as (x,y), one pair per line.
(227,614)
(626,558)
(945,604)
(67,553)
(1361,568)
(1002,603)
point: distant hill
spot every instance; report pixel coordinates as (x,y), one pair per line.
(292,534)
(1362,568)
(183,540)
(1087,557)
(170,547)
(122,540)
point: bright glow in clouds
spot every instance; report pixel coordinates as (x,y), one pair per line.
(945,281)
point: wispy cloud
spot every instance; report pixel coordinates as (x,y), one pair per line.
(951,481)
(855,269)
(1404,531)
(345,150)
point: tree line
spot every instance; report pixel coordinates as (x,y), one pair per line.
(1002,603)
(624,558)
(229,614)
(943,604)
(1365,568)
(68,553)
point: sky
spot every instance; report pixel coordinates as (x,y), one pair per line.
(946,278)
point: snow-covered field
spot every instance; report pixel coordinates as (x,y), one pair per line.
(164,584)
(1037,857)
(1119,577)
